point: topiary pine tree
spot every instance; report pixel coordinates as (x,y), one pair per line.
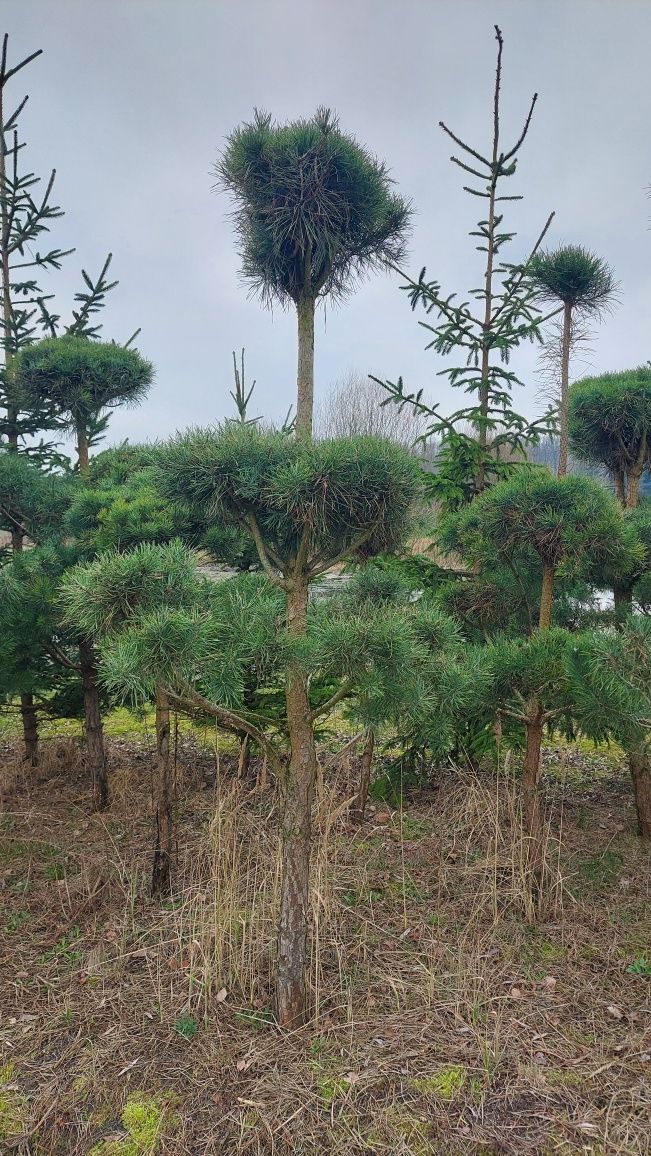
(306,508)
(484,338)
(585,286)
(314,211)
(570,523)
(610,425)
(79,379)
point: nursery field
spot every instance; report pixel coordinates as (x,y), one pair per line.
(444,1018)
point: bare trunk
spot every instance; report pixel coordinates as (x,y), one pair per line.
(640,769)
(546,598)
(297,796)
(564,442)
(244,758)
(30,728)
(531,809)
(82,450)
(364,776)
(93,725)
(305,375)
(633,494)
(164,844)
(620,489)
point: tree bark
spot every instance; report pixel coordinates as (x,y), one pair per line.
(297,797)
(633,493)
(546,598)
(30,728)
(364,776)
(161,879)
(305,375)
(93,725)
(564,438)
(620,488)
(82,451)
(531,809)
(244,757)
(640,768)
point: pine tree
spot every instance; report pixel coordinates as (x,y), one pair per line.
(585,286)
(314,211)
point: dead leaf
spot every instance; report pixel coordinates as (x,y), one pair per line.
(516,993)
(221,995)
(549,981)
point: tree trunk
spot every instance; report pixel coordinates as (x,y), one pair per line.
(164,844)
(297,796)
(305,375)
(93,724)
(620,488)
(640,769)
(244,757)
(633,493)
(30,728)
(82,451)
(564,440)
(623,600)
(546,598)
(364,776)
(531,809)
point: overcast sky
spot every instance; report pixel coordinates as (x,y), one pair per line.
(132,102)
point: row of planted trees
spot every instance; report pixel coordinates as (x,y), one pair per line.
(107,603)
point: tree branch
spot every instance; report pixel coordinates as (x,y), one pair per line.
(229,720)
(331,703)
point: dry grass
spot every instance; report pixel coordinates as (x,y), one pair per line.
(450,1015)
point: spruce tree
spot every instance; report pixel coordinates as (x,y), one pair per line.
(482,333)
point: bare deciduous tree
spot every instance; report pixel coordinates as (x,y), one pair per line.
(355,406)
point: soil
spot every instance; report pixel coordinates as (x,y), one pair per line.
(454,1010)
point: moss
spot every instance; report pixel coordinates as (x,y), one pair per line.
(331,1088)
(557,1077)
(143,1119)
(12,1105)
(444,1084)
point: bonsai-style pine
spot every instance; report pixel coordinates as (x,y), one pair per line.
(585,287)
(80,379)
(314,211)
(610,425)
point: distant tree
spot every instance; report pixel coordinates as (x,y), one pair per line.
(610,425)
(480,440)
(314,211)
(585,286)
(355,405)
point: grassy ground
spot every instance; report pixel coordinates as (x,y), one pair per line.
(449,1016)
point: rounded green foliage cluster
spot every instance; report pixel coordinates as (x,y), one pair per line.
(575,276)
(80,377)
(563,520)
(313,207)
(610,418)
(331,496)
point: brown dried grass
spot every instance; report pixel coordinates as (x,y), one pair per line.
(426,962)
